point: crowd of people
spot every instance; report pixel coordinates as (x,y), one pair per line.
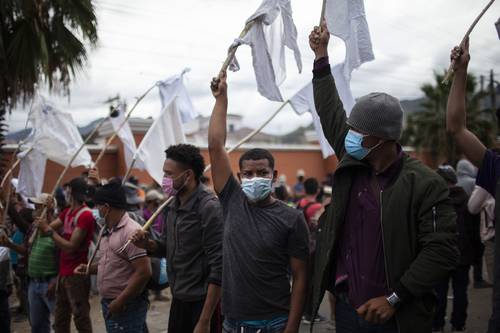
(382,236)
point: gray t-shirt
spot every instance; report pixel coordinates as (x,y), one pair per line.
(257,246)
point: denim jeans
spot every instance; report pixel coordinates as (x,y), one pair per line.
(131,320)
(348,321)
(40,306)
(269,326)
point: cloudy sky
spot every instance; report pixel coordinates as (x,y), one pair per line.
(141,42)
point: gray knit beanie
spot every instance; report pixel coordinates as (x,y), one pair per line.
(378,114)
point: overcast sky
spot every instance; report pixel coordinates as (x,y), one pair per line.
(141,42)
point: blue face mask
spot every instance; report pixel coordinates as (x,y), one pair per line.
(257,188)
(96,214)
(353,145)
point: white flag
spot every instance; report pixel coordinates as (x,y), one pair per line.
(167,129)
(31,172)
(346,19)
(125,134)
(55,135)
(272,30)
(303,101)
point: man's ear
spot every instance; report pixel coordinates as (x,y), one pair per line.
(275,175)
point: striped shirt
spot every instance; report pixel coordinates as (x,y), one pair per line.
(42,259)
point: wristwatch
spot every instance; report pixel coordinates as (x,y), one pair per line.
(49,232)
(394,300)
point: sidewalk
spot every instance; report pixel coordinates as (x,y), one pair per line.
(479,311)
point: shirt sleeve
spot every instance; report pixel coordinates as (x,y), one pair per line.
(231,189)
(86,222)
(298,239)
(133,252)
(489,172)
(213,225)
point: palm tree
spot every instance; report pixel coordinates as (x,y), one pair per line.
(42,41)
(426,130)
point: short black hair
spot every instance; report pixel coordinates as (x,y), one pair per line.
(257,154)
(311,186)
(189,156)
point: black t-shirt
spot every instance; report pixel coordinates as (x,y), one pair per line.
(258,243)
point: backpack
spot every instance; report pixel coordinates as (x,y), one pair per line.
(305,208)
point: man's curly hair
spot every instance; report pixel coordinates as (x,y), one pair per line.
(189,156)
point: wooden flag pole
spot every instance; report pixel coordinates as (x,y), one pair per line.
(129,170)
(106,145)
(13,166)
(323,9)
(451,69)
(148,224)
(253,133)
(232,51)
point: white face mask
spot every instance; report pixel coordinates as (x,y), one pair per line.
(257,188)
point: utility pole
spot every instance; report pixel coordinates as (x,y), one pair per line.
(493,97)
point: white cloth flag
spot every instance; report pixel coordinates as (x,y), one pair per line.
(303,101)
(125,134)
(31,172)
(55,135)
(167,129)
(272,30)
(346,19)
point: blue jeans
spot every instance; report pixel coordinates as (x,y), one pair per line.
(131,320)
(348,321)
(266,326)
(40,306)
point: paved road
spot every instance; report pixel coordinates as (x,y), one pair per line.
(479,310)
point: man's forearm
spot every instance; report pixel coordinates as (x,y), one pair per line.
(297,302)
(456,114)
(213,297)
(217,130)
(135,286)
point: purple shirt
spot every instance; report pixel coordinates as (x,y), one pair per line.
(487,176)
(360,258)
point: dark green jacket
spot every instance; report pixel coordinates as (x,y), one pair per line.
(418,222)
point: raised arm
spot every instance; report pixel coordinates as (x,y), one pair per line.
(326,98)
(456,116)
(219,159)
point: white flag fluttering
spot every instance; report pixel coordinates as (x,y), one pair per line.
(31,172)
(346,19)
(125,134)
(272,30)
(303,101)
(56,136)
(167,129)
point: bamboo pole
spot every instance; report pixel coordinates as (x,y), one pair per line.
(323,9)
(451,69)
(232,51)
(106,145)
(253,133)
(148,224)
(129,170)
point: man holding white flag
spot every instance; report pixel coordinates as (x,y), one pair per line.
(167,129)
(272,29)
(390,238)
